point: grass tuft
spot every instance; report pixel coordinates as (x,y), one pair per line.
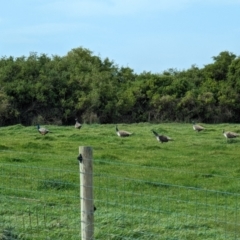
(54,184)
(3,147)
(9,234)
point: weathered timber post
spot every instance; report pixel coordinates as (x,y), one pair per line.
(86,193)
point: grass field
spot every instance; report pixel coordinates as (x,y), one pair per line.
(184,189)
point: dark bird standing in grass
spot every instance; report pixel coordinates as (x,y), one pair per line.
(197,128)
(78,125)
(229,135)
(122,133)
(162,138)
(42,130)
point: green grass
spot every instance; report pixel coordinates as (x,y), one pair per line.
(184,189)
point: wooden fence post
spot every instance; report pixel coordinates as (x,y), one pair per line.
(86,193)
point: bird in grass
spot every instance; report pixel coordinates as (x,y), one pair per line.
(197,127)
(230,135)
(161,138)
(42,130)
(78,125)
(122,133)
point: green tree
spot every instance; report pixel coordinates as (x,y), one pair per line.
(219,69)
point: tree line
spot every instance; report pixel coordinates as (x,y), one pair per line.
(56,90)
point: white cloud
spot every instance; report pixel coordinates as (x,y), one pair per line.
(125,7)
(113,7)
(41,30)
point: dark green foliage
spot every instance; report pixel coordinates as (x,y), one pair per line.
(55,90)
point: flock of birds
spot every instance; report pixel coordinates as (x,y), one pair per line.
(227,135)
(161,138)
(44,131)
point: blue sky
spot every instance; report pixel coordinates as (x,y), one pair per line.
(145,35)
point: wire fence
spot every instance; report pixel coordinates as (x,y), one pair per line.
(37,203)
(138,209)
(44,203)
